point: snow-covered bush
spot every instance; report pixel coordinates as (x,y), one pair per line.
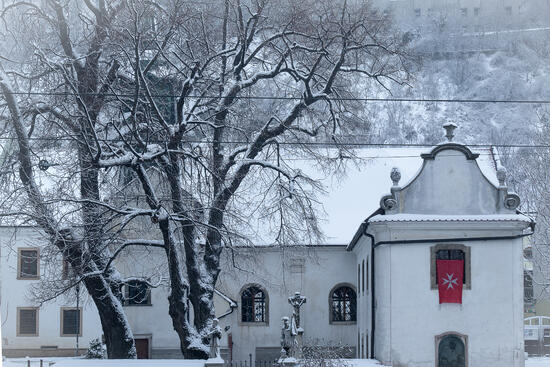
(318,354)
(96,350)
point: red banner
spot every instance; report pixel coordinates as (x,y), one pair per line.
(449,280)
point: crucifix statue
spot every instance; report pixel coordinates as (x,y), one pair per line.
(296,329)
(296,302)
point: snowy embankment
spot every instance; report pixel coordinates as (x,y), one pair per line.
(538,362)
(79,362)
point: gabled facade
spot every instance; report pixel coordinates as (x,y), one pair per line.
(450,208)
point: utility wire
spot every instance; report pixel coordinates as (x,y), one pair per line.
(363,99)
(291,143)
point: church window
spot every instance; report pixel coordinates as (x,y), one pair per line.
(343,304)
(254,305)
(450,252)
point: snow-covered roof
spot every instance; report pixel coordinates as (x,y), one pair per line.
(352,198)
(402,217)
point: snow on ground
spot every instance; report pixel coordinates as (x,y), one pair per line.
(78,362)
(538,362)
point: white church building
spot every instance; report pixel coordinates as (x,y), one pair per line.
(378,287)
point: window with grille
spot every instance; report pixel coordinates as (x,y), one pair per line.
(28,265)
(138,293)
(27,321)
(254,305)
(70,322)
(343,305)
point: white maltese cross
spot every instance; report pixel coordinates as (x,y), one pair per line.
(450,280)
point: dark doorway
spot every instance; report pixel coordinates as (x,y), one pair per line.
(142,348)
(451,352)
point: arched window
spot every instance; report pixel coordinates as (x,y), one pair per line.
(343,304)
(254,305)
(451,350)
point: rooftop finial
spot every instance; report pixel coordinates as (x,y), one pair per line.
(501,175)
(395,176)
(449,130)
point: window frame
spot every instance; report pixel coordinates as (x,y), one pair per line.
(20,258)
(266,306)
(528,286)
(363,277)
(127,303)
(18,322)
(467,263)
(62,321)
(330,313)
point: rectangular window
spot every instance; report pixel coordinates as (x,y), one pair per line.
(464,12)
(71,321)
(450,252)
(453,255)
(417,12)
(27,321)
(362,346)
(138,293)
(476,12)
(358,276)
(28,265)
(367,275)
(363,277)
(66,269)
(358,345)
(528,287)
(508,10)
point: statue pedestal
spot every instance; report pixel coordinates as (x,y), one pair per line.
(214,362)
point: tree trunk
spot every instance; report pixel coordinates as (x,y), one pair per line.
(192,344)
(118,336)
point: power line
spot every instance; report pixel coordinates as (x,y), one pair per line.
(296,98)
(294,143)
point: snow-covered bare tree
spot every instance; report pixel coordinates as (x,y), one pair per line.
(201,108)
(213,98)
(51,47)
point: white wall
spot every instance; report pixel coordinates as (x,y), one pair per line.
(277,271)
(15,293)
(409,315)
(272,268)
